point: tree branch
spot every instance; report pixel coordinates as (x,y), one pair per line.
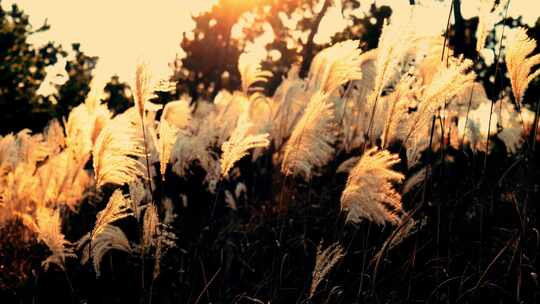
(308,49)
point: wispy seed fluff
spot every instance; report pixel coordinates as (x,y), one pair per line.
(46,223)
(324,263)
(369,193)
(250,71)
(105,236)
(175,118)
(117,150)
(239,143)
(334,66)
(520,66)
(310,144)
(143,91)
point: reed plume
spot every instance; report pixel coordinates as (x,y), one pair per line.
(250,71)
(105,236)
(46,223)
(109,237)
(324,262)
(167,138)
(117,151)
(63,180)
(519,62)
(445,85)
(176,117)
(310,144)
(394,43)
(84,124)
(117,208)
(287,106)
(150,224)
(239,143)
(369,193)
(334,66)
(143,91)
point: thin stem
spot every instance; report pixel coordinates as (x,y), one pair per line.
(151,193)
(207,285)
(147,160)
(446,32)
(428,169)
(468,110)
(535,126)
(368,132)
(497,63)
(70,285)
(364,260)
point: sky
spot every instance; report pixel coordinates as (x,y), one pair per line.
(123,33)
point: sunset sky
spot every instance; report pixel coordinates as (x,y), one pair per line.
(125,32)
(121,32)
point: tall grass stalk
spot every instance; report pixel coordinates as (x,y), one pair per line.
(497,68)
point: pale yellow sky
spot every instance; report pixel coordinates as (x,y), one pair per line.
(121,32)
(125,32)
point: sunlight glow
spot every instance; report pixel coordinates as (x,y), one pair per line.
(122,33)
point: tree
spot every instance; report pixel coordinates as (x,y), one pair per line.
(23,70)
(73,92)
(212,53)
(117,98)
(366,29)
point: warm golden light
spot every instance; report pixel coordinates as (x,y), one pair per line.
(121,33)
(237,137)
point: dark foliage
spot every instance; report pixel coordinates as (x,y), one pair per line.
(22,71)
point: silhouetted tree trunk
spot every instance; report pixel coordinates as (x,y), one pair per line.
(459,29)
(308,50)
